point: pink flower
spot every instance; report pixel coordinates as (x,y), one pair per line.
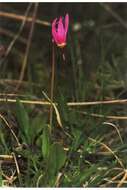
(59,31)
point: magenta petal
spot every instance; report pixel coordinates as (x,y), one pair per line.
(60,30)
(66,23)
(61,39)
(54,33)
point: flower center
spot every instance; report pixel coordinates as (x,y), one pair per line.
(61,45)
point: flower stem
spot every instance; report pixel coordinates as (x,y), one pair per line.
(52,84)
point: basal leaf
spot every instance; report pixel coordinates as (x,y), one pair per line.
(23,120)
(46,142)
(57,158)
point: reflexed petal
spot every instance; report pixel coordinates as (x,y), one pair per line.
(60,30)
(54,33)
(66,23)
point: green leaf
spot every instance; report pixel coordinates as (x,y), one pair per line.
(23,120)
(37,125)
(62,107)
(46,142)
(77,138)
(85,175)
(1,180)
(57,159)
(3,142)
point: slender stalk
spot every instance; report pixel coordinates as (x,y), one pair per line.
(52,85)
(22,73)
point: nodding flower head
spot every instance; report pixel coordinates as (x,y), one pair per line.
(59,31)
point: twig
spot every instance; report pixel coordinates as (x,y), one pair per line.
(113,117)
(105,102)
(113,178)
(12,95)
(10,179)
(6,157)
(11,35)
(70,104)
(22,18)
(13,133)
(16,163)
(38,180)
(116,128)
(15,82)
(114,14)
(110,150)
(19,32)
(57,182)
(55,108)
(123,179)
(28,46)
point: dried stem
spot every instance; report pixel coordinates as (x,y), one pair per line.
(114,14)
(10,34)
(109,149)
(16,163)
(19,32)
(13,133)
(123,179)
(112,117)
(70,104)
(28,46)
(22,18)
